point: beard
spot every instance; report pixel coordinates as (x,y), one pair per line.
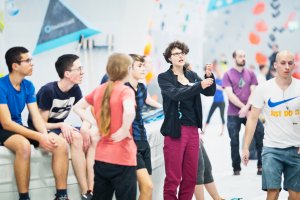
(241,64)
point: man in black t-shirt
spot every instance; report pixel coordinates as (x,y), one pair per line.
(55,101)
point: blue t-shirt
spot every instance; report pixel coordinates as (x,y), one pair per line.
(15,99)
(139,131)
(219,97)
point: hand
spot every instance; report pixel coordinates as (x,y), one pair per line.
(245,156)
(48,143)
(66,130)
(243,112)
(86,138)
(120,134)
(207,82)
(208,69)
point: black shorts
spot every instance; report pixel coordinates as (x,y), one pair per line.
(112,178)
(5,134)
(143,155)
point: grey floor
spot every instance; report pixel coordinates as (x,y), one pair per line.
(246,186)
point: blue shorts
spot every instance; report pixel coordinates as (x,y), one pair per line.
(276,162)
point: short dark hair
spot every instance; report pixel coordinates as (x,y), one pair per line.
(261,67)
(64,63)
(176,44)
(13,55)
(234,54)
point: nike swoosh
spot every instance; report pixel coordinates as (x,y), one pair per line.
(273,104)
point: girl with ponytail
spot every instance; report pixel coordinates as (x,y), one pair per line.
(114,111)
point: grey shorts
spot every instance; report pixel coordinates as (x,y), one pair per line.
(204,167)
(276,162)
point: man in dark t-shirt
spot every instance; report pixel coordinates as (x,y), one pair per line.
(55,101)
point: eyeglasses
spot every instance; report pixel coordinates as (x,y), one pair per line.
(29,61)
(178,54)
(80,68)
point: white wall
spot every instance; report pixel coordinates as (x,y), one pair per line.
(228,28)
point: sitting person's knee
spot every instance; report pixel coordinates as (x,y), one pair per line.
(77,140)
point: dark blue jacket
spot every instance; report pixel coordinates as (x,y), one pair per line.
(172,93)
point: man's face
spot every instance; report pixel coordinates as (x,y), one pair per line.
(138,70)
(76,72)
(284,65)
(240,59)
(25,65)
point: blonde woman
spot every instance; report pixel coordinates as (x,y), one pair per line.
(114,111)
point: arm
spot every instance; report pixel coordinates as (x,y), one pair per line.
(175,93)
(66,129)
(151,102)
(80,109)
(233,98)
(88,120)
(8,124)
(244,110)
(219,87)
(209,85)
(46,142)
(128,117)
(249,132)
(209,89)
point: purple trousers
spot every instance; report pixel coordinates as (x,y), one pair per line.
(181,164)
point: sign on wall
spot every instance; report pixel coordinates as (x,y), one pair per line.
(61,26)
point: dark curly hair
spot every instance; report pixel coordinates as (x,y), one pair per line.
(177,44)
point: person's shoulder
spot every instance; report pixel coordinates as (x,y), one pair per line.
(251,72)
(190,72)
(3,83)
(27,83)
(267,84)
(3,79)
(76,87)
(165,73)
(230,70)
(50,84)
(142,85)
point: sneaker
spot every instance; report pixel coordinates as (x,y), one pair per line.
(259,171)
(236,173)
(62,198)
(87,196)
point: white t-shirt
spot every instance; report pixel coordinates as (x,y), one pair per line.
(282,113)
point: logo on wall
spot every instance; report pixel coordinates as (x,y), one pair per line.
(61,26)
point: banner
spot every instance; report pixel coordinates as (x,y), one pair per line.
(61,27)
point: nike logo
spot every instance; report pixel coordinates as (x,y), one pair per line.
(273,104)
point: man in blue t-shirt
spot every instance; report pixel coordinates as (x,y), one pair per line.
(55,101)
(15,93)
